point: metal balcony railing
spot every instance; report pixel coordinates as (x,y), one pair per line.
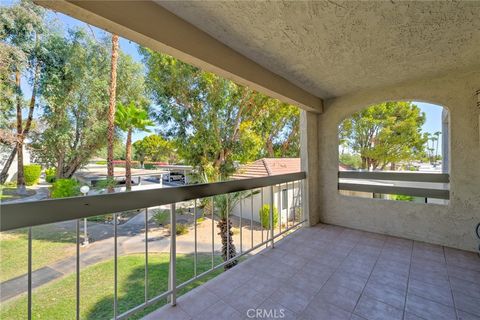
(416,184)
(30,214)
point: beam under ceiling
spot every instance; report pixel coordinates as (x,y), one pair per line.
(151,25)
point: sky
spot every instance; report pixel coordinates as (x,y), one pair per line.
(433,112)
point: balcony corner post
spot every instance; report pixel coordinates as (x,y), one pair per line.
(309,154)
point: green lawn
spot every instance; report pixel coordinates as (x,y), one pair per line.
(9,193)
(57,300)
(49,244)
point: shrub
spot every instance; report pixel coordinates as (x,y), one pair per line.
(181,229)
(265,216)
(400,197)
(106,183)
(50,175)
(200,220)
(298,214)
(63,188)
(162,217)
(32,174)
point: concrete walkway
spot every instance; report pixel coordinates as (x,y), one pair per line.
(41,193)
(130,240)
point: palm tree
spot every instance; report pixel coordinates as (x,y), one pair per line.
(437,139)
(111,109)
(224,204)
(129,118)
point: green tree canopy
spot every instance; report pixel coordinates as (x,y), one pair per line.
(213,121)
(154,148)
(21,29)
(74,88)
(385,133)
(75,101)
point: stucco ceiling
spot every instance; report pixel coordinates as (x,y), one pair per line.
(334,48)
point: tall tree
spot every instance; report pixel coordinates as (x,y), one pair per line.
(75,93)
(219,121)
(130,118)
(385,133)
(279,123)
(214,123)
(153,148)
(21,28)
(111,107)
(437,135)
(75,114)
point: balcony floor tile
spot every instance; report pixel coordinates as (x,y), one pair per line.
(331,272)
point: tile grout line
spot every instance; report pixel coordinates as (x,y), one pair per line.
(434,285)
(369,276)
(408,282)
(408,279)
(450,284)
(300,314)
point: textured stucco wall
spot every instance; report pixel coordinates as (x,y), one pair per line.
(451,225)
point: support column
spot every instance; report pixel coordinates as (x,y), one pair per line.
(309,153)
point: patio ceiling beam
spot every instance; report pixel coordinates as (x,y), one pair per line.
(151,25)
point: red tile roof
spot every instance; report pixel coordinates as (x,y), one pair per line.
(267,167)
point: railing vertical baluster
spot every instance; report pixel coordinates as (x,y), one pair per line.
(280,208)
(260,211)
(302,204)
(286,206)
(77,266)
(146,255)
(251,218)
(115,268)
(213,232)
(195,242)
(173,255)
(271,216)
(228,226)
(241,227)
(29,273)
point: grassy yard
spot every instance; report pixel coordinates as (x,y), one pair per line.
(57,300)
(49,245)
(9,193)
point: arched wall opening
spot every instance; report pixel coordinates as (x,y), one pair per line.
(395,150)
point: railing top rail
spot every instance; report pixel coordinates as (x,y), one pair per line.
(27,214)
(396,176)
(407,191)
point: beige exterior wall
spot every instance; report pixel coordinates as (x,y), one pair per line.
(451,225)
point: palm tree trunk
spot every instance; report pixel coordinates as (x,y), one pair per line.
(128,161)
(111,110)
(227,242)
